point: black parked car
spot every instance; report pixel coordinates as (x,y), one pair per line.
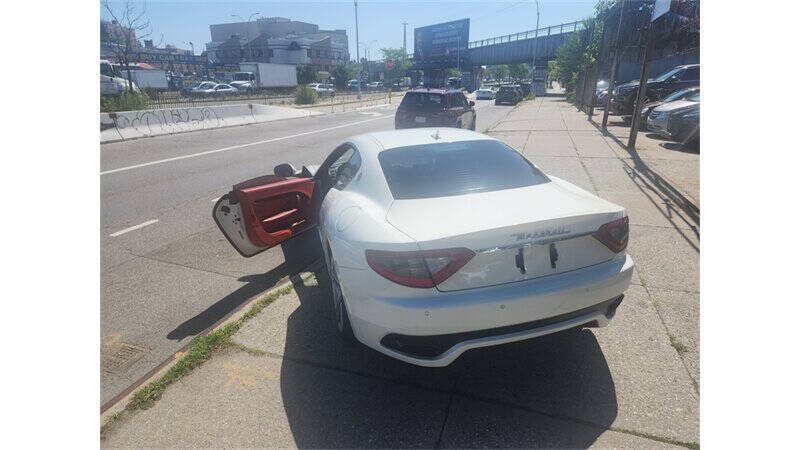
(682,94)
(435,108)
(624,96)
(508,94)
(684,125)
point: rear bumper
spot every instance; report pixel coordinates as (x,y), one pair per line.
(435,328)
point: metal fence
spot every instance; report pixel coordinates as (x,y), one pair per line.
(548,31)
(176,100)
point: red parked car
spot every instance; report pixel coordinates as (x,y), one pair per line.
(435,108)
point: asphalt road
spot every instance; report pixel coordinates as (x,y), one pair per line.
(167,272)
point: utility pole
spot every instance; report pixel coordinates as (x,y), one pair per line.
(358,55)
(637,110)
(593,86)
(404,38)
(535,48)
(615,63)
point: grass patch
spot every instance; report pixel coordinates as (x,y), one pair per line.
(677,345)
(199,352)
(531,96)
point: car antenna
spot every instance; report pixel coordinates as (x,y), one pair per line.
(436,136)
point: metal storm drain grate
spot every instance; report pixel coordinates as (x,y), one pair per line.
(124,355)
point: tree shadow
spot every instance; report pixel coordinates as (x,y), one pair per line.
(298,253)
(338,395)
(652,180)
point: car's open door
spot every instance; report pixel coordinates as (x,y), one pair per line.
(265,211)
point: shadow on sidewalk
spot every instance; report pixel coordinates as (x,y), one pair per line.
(557,390)
(298,253)
(655,182)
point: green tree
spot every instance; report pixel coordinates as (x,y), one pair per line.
(401,64)
(552,70)
(581,50)
(306,74)
(499,72)
(519,71)
(341,73)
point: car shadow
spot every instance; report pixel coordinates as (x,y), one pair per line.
(557,388)
(656,136)
(688,147)
(298,253)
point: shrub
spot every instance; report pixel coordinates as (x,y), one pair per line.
(531,96)
(304,95)
(128,101)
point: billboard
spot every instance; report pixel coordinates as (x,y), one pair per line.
(442,43)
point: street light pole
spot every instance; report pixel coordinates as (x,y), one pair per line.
(535,48)
(358,55)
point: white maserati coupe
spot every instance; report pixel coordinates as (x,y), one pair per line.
(441,240)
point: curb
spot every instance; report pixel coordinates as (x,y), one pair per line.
(111,141)
(118,403)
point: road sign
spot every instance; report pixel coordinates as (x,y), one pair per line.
(389,64)
(661,7)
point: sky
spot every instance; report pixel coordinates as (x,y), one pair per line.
(379,21)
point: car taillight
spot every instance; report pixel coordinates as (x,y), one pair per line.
(614,235)
(420,269)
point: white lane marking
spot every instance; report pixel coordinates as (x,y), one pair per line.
(135,227)
(370,113)
(235,147)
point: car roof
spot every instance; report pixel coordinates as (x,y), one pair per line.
(434,90)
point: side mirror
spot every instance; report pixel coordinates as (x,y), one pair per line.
(471,103)
(285,170)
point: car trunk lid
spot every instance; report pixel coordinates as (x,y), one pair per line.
(516,234)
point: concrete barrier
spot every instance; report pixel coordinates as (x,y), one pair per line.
(154,122)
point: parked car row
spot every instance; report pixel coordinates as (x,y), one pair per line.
(672,103)
(624,96)
(677,120)
(209,89)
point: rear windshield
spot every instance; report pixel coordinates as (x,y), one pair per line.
(456,168)
(507,89)
(422,100)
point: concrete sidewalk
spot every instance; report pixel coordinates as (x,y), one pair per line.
(657,184)
(289,382)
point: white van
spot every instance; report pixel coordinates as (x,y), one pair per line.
(111,82)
